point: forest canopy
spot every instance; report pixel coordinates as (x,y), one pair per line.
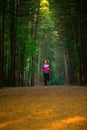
(31,31)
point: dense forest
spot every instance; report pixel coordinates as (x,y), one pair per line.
(33,30)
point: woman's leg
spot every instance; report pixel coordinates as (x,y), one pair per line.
(45,79)
(48,77)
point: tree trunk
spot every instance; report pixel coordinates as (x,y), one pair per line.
(34,27)
(12,43)
(83,43)
(2,51)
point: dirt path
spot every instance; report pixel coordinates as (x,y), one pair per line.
(39,108)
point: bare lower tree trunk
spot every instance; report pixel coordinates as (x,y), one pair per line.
(39,67)
(66,69)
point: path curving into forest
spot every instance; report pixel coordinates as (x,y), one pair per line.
(40,108)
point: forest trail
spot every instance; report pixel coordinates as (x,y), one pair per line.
(40,108)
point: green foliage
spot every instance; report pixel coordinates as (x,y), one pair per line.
(39,31)
(30,49)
